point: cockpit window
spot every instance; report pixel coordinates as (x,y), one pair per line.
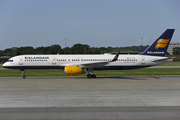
(10,61)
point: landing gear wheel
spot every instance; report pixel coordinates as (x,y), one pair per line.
(94,76)
(90,73)
(91,76)
(24,77)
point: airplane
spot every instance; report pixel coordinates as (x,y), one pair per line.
(79,64)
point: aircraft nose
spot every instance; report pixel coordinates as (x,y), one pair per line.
(5,64)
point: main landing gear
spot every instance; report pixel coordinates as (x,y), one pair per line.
(90,73)
(23,73)
(91,76)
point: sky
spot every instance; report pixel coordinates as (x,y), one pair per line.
(97,23)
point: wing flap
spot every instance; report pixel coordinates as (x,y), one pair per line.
(94,64)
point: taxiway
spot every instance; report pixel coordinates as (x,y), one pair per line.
(142,97)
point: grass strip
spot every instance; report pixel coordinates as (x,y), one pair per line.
(59,72)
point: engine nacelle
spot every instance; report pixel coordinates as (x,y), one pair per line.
(74,70)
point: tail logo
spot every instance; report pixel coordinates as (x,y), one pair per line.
(116,57)
(161,43)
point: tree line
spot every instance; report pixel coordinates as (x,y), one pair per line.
(176,51)
(75,49)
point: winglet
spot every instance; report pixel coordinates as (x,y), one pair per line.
(116,57)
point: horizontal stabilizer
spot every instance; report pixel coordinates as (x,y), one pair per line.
(163,59)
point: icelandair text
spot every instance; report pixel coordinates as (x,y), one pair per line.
(36,57)
(157,52)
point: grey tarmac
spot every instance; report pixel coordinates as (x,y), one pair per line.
(51,98)
(91,113)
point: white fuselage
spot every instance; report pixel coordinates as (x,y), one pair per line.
(60,61)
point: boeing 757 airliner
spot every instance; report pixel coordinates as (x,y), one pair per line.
(79,64)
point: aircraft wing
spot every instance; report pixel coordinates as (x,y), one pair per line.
(93,64)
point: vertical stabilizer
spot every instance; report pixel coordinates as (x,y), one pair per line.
(159,47)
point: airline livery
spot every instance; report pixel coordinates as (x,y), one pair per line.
(79,64)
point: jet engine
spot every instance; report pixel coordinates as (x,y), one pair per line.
(74,70)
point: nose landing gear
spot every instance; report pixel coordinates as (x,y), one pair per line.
(23,73)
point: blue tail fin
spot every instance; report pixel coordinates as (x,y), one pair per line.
(159,47)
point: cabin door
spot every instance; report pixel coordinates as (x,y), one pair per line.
(142,60)
(54,61)
(21,61)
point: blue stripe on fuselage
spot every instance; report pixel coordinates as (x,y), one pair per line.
(62,67)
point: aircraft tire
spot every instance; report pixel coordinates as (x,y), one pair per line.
(94,76)
(91,76)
